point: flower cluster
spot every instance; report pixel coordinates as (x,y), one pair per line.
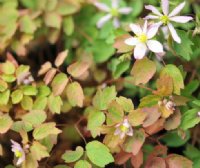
(143,35)
(113,13)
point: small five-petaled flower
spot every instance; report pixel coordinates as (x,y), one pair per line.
(113,13)
(18,151)
(142,40)
(166,18)
(123,129)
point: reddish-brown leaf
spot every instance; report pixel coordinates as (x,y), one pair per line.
(61,58)
(156,127)
(152,116)
(156,162)
(77,69)
(44,68)
(143,70)
(137,160)
(120,44)
(49,76)
(134,143)
(173,121)
(122,157)
(178,161)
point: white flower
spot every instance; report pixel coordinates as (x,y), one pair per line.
(18,151)
(165,18)
(142,41)
(123,129)
(169,105)
(113,13)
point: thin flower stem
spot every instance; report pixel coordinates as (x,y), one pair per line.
(79,132)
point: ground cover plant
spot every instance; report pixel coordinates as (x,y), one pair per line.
(99,83)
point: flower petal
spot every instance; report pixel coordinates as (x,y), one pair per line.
(165,6)
(151,17)
(181,19)
(174,33)
(131,41)
(140,50)
(145,27)
(125,10)
(115,4)
(153,29)
(116,22)
(153,9)
(177,9)
(103,20)
(136,29)
(117,131)
(102,6)
(155,46)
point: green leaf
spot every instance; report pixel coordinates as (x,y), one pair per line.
(126,103)
(121,68)
(8,78)
(99,154)
(6,123)
(21,125)
(104,97)
(184,49)
(75,94)
(172,139)
(55,103)
(102,51)
(4,97)
(44,90)
(38,151)
(16,96)
(29,90)
(35,117)
(66,8)
(149,101)
(44,130)
(27,103)
(95,120)
(82,164)
(189,119)
(68,25)
(143,70)
(27,25)
(51,5)
(136,117)
(8,68)
(175,74)
(53,20)
(40,103)
(72,156)
(137,6)
(3,85)
(59,83)
(192,152)
(115,113)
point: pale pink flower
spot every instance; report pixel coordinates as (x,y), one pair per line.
(123,129)
(113,13)
(165,18)
(142,40)
(18,151)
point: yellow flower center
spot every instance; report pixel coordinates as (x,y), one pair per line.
(142,38)
(164,19)
(114,12)
(123,128)
(18,154)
